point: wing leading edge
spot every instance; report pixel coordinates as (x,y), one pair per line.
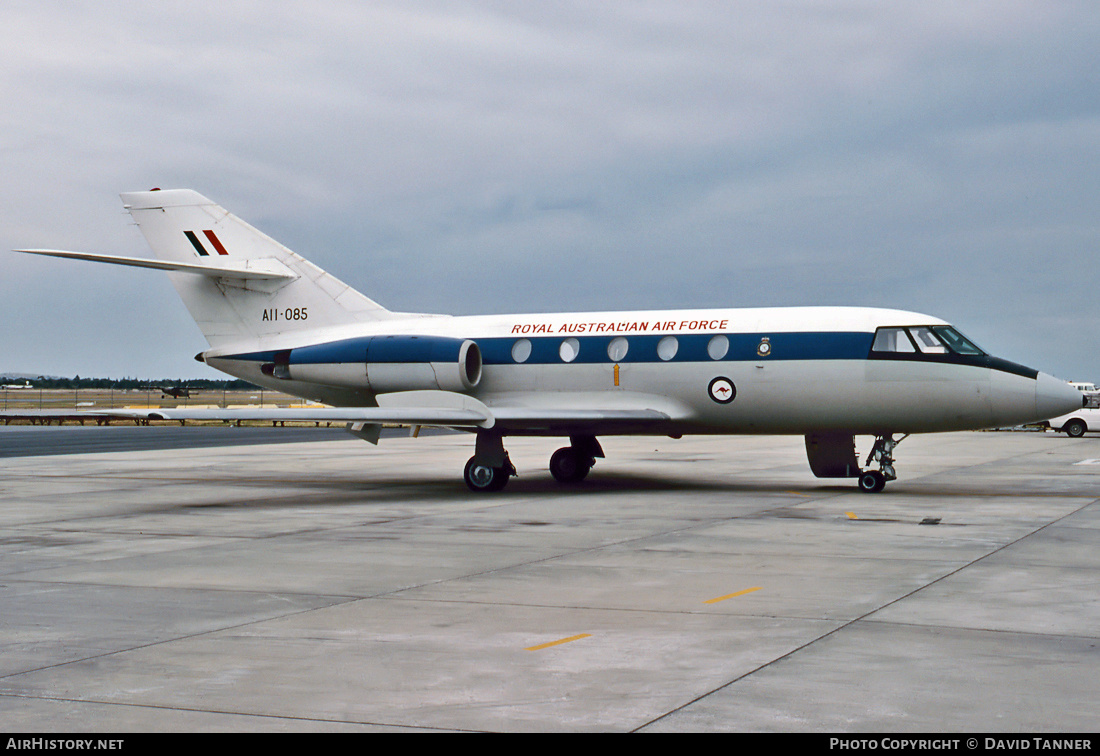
(504,419)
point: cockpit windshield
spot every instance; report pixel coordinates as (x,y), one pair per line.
(937,344)
(956,342)
(923,340)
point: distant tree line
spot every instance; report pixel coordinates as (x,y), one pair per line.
(76,382)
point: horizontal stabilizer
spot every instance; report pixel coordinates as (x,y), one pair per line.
(251,270)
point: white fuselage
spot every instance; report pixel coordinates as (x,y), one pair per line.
(789,370)
(829,373)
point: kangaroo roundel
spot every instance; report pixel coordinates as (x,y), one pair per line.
(722,390)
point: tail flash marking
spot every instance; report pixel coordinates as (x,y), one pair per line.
(243,273)
(195,243)
(217,244)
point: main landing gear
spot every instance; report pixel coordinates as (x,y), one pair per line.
(489,469)
(483,478)
(570,464)
(882,453)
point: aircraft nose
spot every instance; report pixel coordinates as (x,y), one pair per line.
(1054,397)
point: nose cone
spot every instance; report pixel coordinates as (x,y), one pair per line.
(1054,397)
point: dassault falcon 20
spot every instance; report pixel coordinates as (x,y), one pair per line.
(825,373)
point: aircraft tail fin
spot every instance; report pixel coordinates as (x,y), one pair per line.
(265,289)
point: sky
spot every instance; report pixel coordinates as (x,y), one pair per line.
(495,157)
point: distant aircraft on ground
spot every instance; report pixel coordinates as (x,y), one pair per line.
(825,373)
(175,391)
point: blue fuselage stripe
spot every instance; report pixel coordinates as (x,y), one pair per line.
(545,350)
(399,349)
(593,350)
(690,348)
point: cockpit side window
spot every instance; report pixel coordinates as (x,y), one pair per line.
(892,340)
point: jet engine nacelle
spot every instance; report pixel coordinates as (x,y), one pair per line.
(384,364)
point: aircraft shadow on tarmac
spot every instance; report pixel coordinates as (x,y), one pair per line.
(310,490)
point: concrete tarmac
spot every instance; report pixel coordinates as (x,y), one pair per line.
(700,584)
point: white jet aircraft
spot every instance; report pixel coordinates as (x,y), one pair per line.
(825,373)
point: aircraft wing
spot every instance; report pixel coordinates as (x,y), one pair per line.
(508,418)
(533,413)
(442,416)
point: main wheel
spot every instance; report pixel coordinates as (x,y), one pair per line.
(567,465)
(484,479)
(872,481)
(1075,428)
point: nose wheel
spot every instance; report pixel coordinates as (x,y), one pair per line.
(872,481)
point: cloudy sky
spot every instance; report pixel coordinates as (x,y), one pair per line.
(487,157)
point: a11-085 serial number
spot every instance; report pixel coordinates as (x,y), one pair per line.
(288,313)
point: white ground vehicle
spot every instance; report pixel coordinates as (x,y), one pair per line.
(1077,423)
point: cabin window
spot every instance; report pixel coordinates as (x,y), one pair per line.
(667,348)
(569,350)
(617,349)
(718,347)
(521,350)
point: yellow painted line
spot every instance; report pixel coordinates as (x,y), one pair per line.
(851,515)
(732,595)
(570,639)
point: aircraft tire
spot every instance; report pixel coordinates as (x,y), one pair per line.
(1075,428)
(872,481)
(568,465)
(484,479)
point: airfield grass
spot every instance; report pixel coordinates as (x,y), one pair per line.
(91,400)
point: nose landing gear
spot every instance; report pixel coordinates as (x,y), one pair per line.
(882,453)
